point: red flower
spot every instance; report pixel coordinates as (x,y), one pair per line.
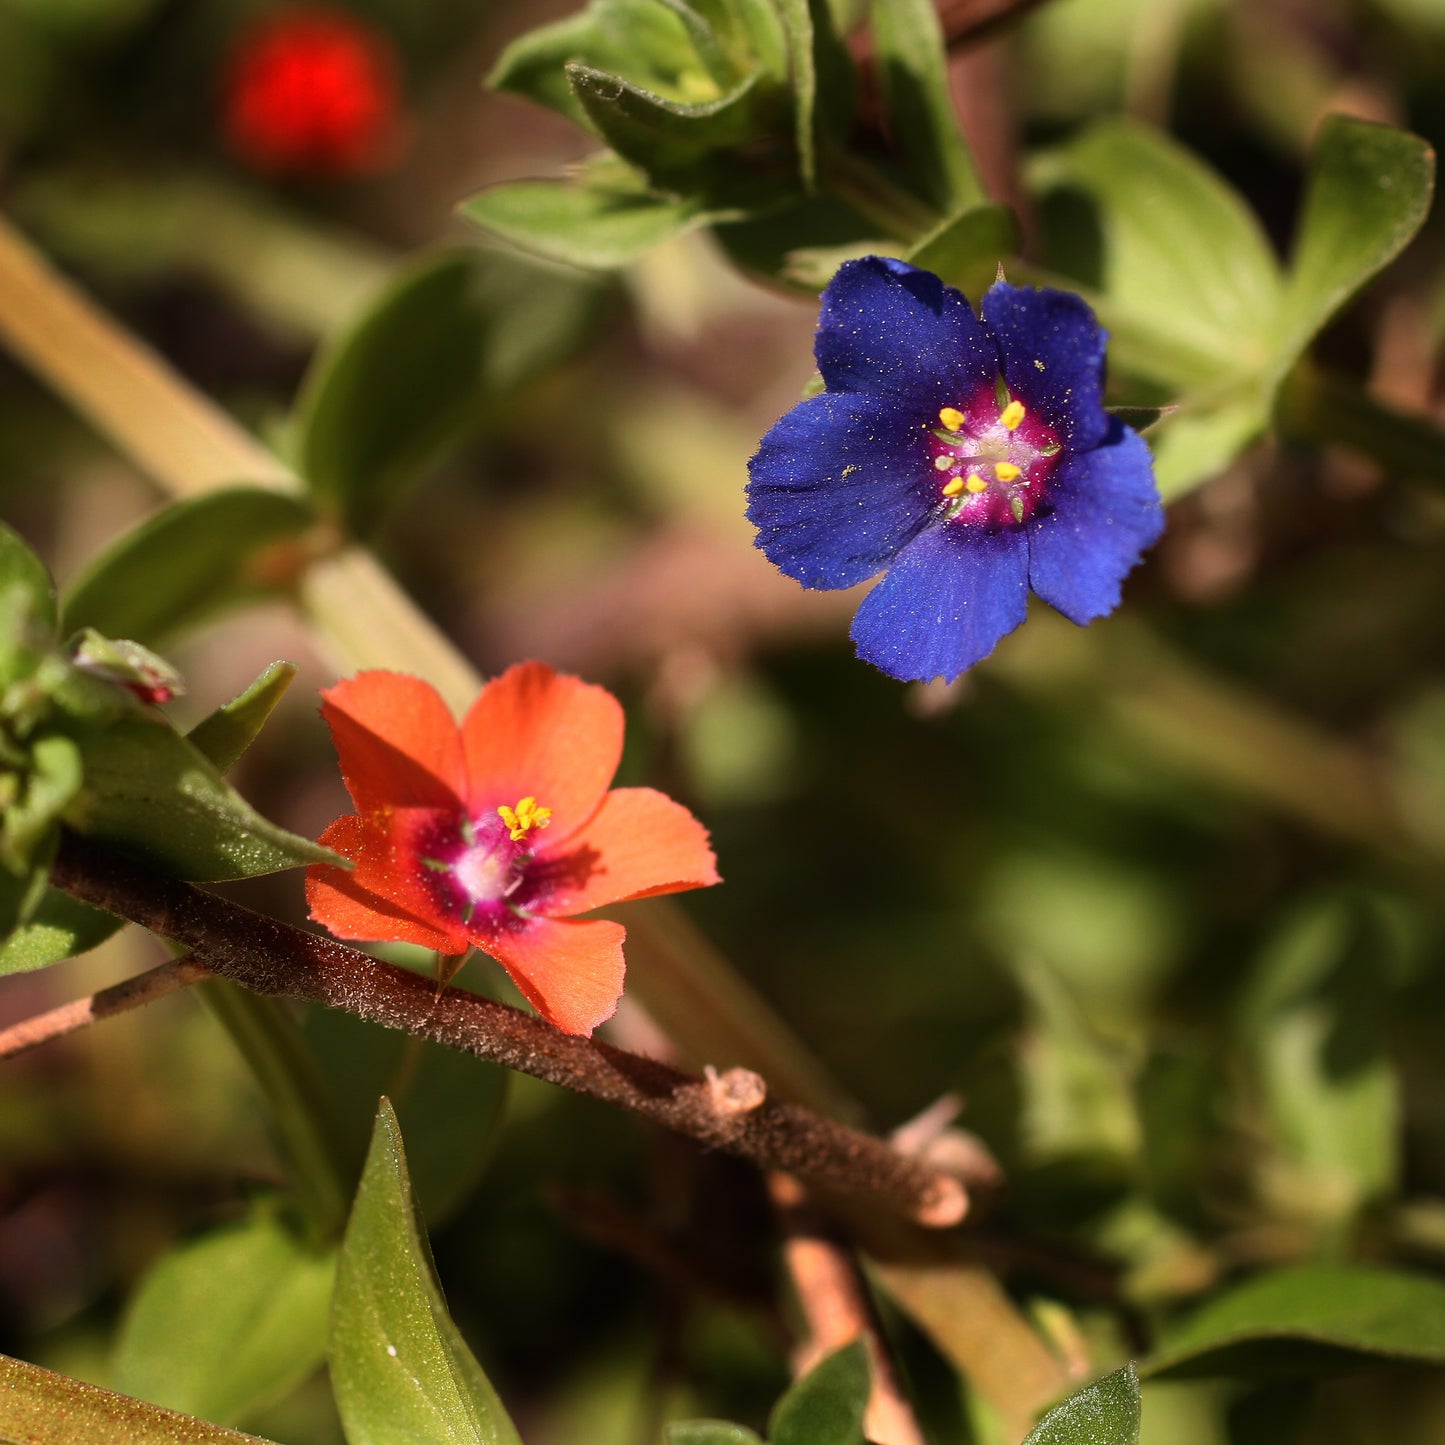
(313,90)
(494,833)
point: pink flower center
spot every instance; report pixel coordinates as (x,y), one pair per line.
(993,459)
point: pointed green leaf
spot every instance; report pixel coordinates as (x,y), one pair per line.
(229,1322)
(1104,1413)
(399,1367)
(223,736)
(825,1407)
(1368,193)
(40,1407)
(709,1432)
(448,340)
(151,794)
(604,218)
(1183,253)
(688,148)
(190,561)
(645,40)
(59,927)
(1308,1319)
(913,73)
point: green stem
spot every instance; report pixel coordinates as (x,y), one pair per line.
(270,1042)
(897,212)
(1316,406)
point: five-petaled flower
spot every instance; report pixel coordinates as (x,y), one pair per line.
(313,90)
(495,833)
(969,456)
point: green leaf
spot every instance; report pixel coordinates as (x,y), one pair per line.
(399,1367)
(1182,253)
(40,1407)
(1194,444)
(49,781)
(968,248)
(21,893)
(450,1103)
(827,1405)
(709,1432)
(229,1322)
(604,218)
(449,339)
(1314,1031)
(1104,1413)
(19,566)
(645,40)
(1307,1319)
(187,563)
(1368,192)
(59,927)
(153,795)
(695,149)
(912,71)
(225,734)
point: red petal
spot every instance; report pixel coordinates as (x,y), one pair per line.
(384,898)
(638,843)
(541,734)
(397,741)
(571,973)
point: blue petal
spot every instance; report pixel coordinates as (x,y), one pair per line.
(952,593)
(1053,358)
(885,326)
(838,486)
(1106,512)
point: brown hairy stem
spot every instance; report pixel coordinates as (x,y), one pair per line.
(269,957)
(118,998)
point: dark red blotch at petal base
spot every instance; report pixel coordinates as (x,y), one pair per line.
(434,864)
(312,90)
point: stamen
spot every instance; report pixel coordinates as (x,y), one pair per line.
(524,817)
(943,463)
(1007,471)
(953,486)
(951,417)
(1012,415)
(976,484)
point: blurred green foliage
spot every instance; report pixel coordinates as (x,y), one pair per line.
(1161,900)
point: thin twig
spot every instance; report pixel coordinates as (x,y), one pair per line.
(269,957)
(837,1310)
(118,998)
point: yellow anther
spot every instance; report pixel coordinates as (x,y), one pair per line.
(524,817)
(1007,472)
(1012,415)
(953,486)
(951,417)
(976,483)
(943,463)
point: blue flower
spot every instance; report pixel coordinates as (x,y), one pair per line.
(970,457)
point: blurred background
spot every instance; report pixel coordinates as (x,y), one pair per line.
(1160,901)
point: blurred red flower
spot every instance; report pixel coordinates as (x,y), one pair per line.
(494,833)
(313,90)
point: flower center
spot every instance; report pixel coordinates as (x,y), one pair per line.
(993,459)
